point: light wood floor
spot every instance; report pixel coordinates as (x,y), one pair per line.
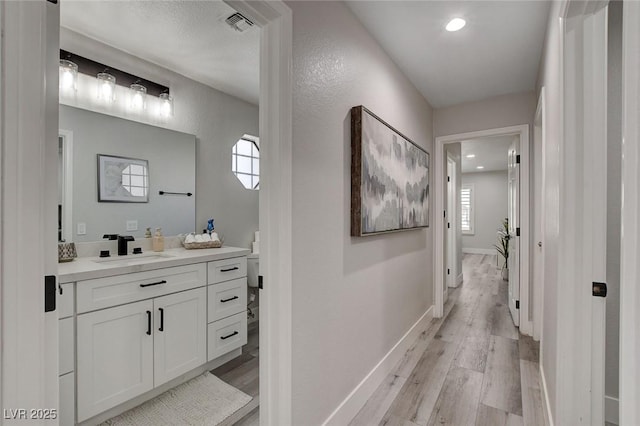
(471,367)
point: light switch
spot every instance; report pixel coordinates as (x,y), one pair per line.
(82,228)
(132,225)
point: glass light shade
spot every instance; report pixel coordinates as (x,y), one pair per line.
(68,73)
(138,96)
(166,105)
(106,87)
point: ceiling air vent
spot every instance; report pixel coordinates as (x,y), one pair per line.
(238,22)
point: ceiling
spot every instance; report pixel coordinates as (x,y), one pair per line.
(490,152)
(498,52)
(188,37)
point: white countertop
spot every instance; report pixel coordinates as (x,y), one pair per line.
(85,268)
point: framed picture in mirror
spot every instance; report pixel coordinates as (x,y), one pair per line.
(122,179)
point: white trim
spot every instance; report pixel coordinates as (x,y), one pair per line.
(459,279)
(526,326)
(276,41)
(545,397)
(630,249)
(470,250)
(67,184)
(358,397)
(538,287)
(611,410)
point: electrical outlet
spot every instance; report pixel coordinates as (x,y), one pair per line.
(132,225)
(82,228)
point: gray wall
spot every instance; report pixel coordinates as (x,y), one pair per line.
(614,200)
(490,194)
(353,298)
(218,120)
(171,156)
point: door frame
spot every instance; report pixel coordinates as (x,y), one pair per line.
(275,218)
(630,249)
(440,225)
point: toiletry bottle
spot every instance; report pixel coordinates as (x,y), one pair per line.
(158,240)
(147,234)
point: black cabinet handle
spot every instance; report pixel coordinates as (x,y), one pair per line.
(230,335)
(161,319)
(60,289)
(229,299)
(148,323)
(235,268)
(151,284)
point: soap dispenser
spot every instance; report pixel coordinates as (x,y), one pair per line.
(158,240)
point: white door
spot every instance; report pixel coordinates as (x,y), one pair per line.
(538,221)
(180,336)
(451,226)
(115,356)
(514,233)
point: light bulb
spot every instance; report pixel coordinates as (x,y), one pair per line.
(68,73)
(106,87)
(166,105)
(456,24)
(138,96)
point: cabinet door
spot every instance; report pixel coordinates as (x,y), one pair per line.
(115,356)
(67,400)
(180,339)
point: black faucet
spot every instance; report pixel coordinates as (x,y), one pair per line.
(123,241)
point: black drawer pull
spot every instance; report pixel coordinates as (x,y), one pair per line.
(229,299)
(235,268)
(148,323)
(230,335)
(161,328)
(151,284)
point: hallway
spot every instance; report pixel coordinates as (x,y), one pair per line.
(470,367)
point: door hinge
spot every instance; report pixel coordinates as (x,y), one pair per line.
(599,289)
(260,282)
(517,232)
(448,271)
(448,224)
(50,293)
(518,159)
(445,213)
(517,304)
(53,1)
(448,178)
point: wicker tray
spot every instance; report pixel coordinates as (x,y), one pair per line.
(203,245)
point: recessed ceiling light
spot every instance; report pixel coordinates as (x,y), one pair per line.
(480,167)
(456,24)
(471,156)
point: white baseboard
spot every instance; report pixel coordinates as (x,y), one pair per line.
(491,252)
(459,279)
(359,396)
(545,395)
(612,410)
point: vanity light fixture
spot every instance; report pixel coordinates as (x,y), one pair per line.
(138,96)
(480,167)
(456,24)
(106,87)
(471,156)
(68,75)
(165,109)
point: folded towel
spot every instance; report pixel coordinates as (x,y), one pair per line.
(206,238)
(199,238)
(190,239)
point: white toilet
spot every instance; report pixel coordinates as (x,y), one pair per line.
(252,269)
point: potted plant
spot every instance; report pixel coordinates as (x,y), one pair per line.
(503,246)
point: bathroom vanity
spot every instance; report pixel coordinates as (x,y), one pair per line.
(132,327)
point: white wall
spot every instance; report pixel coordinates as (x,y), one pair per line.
(353,298)
(549,76)
(218,120)
(500,111)
(490,194)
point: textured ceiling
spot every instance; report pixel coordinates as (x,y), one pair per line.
(498,51)
(490,152)
(188,37)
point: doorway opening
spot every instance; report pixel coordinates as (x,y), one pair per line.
(511,224)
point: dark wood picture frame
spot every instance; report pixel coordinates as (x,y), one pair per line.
(359,196)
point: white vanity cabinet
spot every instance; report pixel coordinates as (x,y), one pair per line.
(124,336)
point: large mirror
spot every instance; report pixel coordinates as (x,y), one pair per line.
(153,184)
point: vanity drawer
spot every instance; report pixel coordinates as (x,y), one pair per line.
(66,362)
(111,291)
(226,335)
(227,269)
(65,300)
(227,298)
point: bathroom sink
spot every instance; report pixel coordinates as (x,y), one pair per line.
(132,259)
